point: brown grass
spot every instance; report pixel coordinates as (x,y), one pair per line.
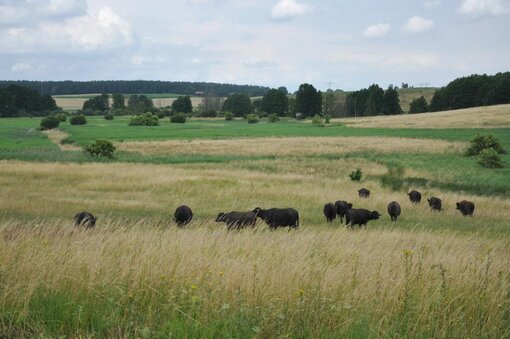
(292,146)
(477,117)
(56,136)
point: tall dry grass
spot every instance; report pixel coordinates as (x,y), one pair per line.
(138,279)
(497,116)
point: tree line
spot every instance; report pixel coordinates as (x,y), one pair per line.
(472,91)
(136,87)
(22,101)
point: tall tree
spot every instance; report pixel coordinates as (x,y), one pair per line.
(283,89)
(374,103)
(275,101)
(98,103)
(118,101)
(391,102)
(182,105)
(419,105)
(308,101)
(238,104)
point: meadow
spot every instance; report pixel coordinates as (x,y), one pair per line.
(138,275)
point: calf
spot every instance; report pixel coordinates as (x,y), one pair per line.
(183,215)
(364,193)
(394,210)
(342,207)
(85,219)
(237,220)
(435,204)
(414,196)
(278,217)
(466,207)
(360,217)
(330,212)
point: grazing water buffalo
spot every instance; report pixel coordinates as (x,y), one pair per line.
(415,197)
(360,217)
(342,207)
(237,220)
(435,203)
(330,212)
(466,207)
(394,210)
(85,219)
(364,193)
(278,217)
(183,215)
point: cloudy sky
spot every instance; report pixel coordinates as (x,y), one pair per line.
(346,44)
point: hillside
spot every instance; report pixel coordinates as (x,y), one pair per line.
(477,117)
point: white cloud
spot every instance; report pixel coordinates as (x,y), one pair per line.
(102,31)
(256,62)
(287,9)
(479,8)
(29,12)
(417,24)
(376,31)
(432,3)
(21,67)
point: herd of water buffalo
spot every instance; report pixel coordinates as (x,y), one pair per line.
(289,217)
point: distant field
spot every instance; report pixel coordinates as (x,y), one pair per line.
(75,102)
(497,116)
(407,95)
(429,275)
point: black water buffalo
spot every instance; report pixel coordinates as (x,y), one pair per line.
(394,210)
(341,207)
(364,193)
(278,217)
(237,220)
(85,219)
(183,215)
(466,207)
(330,212)
(415,197)
(435,203)
(360,217)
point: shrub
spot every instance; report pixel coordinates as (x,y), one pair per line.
(178,118)
(252,118)
(209,113)
(483,141)
(108,116)
(490,158)
(61,116)
(78,120)
(50,122)
(327,118)
(67,141)
(229,116)
(101,148)
(356,175)
(273,118)
(160,114)
(316,120)
(146,119)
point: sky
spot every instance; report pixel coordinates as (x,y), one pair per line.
(331,44)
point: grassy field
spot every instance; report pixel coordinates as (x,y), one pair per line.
(407,95)
(137,275)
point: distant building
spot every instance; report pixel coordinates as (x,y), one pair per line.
(199,93)
(299,115)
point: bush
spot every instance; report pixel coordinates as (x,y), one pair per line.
(356,175)
(101,148)
(229,116)
(50,122)
(483,141)
(108,116)
(160,115)
(178,118)
(78,120)
(316,120)
(61,116)
(490,158)
(327,118)
(273,118)
(67,141)
(146,119)
(209,113)
(252,118)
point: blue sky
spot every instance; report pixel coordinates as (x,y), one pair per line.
(342,44)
